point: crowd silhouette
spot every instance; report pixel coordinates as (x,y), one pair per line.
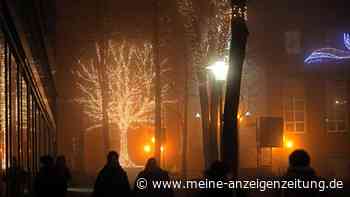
(54,175)
(113,180)
(51,180)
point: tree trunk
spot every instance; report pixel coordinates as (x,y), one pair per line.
(214,122)
(203,96)
(158,103)
(124,158)
(104,98)
(102,76)
(185,125)
(239,35)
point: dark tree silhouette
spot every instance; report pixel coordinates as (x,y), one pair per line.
(239,36)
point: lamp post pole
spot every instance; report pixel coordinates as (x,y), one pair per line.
(219,72)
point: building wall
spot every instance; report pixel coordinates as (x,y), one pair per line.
(287,75)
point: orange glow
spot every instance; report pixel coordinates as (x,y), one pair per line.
(147,148)
(239,118)
(162,148)
(287,142)
(153,140)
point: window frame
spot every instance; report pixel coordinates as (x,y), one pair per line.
(331,111)
(294,111)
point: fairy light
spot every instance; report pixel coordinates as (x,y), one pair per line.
(217,37)
(130,76)
(330,54)
(2,110)
(23,112)
(239,11)
(347,40)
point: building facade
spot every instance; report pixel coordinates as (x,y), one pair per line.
(304,57)
(27,93)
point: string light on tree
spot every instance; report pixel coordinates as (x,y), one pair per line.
(130,76)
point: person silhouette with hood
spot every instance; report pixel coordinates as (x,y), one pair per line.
(153,172)
(112,180)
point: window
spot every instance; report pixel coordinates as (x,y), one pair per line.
(294,114)
(337,104)
(292,42)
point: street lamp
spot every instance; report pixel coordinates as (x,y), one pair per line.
(219,69)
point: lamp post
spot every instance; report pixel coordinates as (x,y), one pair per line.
(219,71)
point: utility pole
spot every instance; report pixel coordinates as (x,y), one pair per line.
(158,103)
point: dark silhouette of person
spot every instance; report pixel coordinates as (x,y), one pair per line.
(153,172)
(112,180)
(299,168)
(63,175)
(45,183)
(15,179)
(217,171)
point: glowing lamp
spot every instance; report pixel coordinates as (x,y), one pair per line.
(153,140)
(161,149)
(288,143)
(147,148)
(239,118)
(248,113)
(219,69)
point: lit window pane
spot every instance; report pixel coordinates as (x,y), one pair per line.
(341,126)
(299,127)
(289,105)
(331,126)
(340,115)
(337,105)
(290,127)
(299,105)
(289,116)
(299,116)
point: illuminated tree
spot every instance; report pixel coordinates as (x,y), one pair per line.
(207,34)
(2,108)
(130,76)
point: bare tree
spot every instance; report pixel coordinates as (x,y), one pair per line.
(130,76)
(206,42)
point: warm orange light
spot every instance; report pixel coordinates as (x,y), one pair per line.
(161,149)
(239,118)
(153,140)
(147,148)
(287,142)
